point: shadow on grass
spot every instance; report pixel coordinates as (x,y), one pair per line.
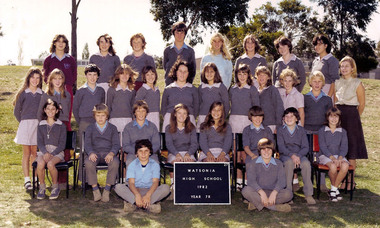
(363,210)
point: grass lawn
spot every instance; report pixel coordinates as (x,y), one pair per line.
(18,209)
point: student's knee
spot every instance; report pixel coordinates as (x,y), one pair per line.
(333,168)
(89,164)
(50,165)
(114,163)
(305,164)
(287,194)
(344,167)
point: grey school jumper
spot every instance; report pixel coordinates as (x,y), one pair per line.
(102,142)
(257,60)
(51,135)
(272,105)
(210,138)
(173,95)
(132,132)
(107,65)
(84,102)
(150,96)
(181,141)
(315,110)
(242,99)
(333,143)
(170,56)
(26,107)
(210,94)
(120,102)
(252,136)
(64,103)
(138,63)
(329,66)
(295,64)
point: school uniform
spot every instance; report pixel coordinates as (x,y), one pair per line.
(120,103)
(143,182)
(25,111)
(272,105)
(209,94)
(138,63)
(51,139)
(293,99)
(332,144)
(295,143)
(152,98)
(84,101)
(242,99)
(224,67)
(212,141)
(63,102)
(101,141)
(266,177)
(171,54)
(295,64)
(329,66)
(253,63)
(107,65)
(315,110)
(133,131)
(252,135)
(173,95)
(181,143)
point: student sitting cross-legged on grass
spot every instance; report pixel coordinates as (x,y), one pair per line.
(51,141)
(266,181)
(333,144)
(101,144)
(293,147)
(143,175)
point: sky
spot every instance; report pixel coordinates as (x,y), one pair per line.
(32,25)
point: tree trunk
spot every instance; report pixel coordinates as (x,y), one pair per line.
(74,20)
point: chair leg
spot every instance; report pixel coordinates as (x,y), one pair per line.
(318,183)
(352,185)
(67,183)
(34,184)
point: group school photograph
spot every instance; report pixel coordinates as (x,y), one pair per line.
(261,114)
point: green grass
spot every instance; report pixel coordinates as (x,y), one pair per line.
(18,209)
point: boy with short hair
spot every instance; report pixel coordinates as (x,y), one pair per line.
(89,95)
(143,175)
(102,144)
(293,147)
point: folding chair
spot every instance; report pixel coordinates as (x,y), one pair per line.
(70,145)
(319,168)
(238,165)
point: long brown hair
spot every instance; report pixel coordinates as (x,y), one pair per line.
(50,88)
(243,68)
(217,77)
(173,119)
(108,39)
(124,68)
(209,121)
(29,74)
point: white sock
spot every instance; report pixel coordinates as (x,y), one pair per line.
(245,182)
(26,179)
(239,181)
(171,180)
(295,181)
(333,188)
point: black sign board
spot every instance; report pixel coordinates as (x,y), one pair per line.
(202,183)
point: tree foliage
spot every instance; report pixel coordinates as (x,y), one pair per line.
(198,15)
(85,52)
(342,22)
(290,18)
(1,32)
